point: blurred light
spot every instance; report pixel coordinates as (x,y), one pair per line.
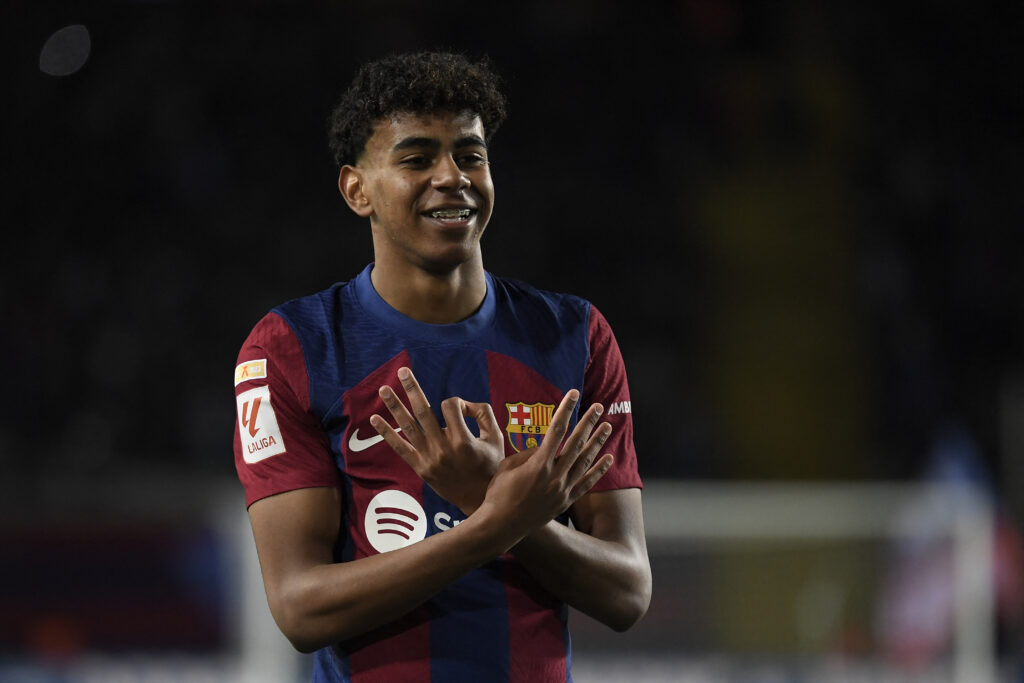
(66,51)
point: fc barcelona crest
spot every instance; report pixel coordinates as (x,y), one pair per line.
(528,423)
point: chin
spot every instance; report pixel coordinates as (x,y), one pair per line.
(446,262)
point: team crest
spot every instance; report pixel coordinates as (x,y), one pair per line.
(528,423)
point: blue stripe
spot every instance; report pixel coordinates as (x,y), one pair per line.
(568,642)
(469,636)
(328,667)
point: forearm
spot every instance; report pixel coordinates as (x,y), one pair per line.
(330,602)
(609,580)
(317,601)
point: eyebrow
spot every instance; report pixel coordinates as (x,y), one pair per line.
(434,144)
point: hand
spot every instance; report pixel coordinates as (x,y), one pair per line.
(456,464)
(534,486)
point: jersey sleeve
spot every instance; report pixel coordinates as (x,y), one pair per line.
(279,444)
(604,382)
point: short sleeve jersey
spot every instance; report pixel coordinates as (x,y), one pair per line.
(306,385)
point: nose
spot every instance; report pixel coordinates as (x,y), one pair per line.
(448,175)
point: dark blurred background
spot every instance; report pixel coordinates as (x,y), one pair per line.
(802,219)
(803,222)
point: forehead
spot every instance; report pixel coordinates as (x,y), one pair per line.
(445,128)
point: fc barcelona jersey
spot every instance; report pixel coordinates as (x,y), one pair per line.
(306,385)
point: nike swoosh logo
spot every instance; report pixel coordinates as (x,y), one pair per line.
(356,444)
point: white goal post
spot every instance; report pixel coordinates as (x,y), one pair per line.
(679,514)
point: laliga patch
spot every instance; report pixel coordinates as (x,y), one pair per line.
(257,425)
(252,369)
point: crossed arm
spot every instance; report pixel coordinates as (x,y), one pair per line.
(599,567)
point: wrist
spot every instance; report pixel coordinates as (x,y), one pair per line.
(494,527)
(473,498)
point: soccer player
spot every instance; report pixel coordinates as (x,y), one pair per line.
(437,460)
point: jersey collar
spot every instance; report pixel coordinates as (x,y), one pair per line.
(372,302)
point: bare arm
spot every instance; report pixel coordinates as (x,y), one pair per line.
(600,567)
(317,602)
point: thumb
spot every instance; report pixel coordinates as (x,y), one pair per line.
(485,420)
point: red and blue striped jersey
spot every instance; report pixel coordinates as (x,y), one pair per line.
(306,385)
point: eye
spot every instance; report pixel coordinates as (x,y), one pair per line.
(471,160)
(415,161)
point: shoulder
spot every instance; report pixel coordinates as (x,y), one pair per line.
(298,332)
(518,295)
(313,311)
(299,320)
(298,344)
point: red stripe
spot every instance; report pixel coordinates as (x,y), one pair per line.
(309,460)
(399,651)
(536,634)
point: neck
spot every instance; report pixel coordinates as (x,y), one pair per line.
(437,298)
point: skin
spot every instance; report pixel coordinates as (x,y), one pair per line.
(432,270)
(425,268)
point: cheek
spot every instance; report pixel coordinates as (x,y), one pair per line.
(485,187)
(389,193)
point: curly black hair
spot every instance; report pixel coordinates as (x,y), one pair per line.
(417,83)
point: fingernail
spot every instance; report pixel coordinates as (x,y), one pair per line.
(600,409)
(403,373)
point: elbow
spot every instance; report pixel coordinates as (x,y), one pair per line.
(302,641)
(633,605)
(303,646)
(308,624)
(297,624)
(290,621)
(626,621)
(631,611)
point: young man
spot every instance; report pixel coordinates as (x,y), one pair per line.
(394,547)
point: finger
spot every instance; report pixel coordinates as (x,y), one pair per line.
(560,422)
(399,445)
(419,403)
(592,476)
(402,416)
(584,458)
(485,420)
(452,410)
(577,441)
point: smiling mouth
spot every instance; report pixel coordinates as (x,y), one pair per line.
(450,214)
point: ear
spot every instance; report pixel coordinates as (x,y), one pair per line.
(350,184)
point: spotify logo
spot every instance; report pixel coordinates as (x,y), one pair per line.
(394,520)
